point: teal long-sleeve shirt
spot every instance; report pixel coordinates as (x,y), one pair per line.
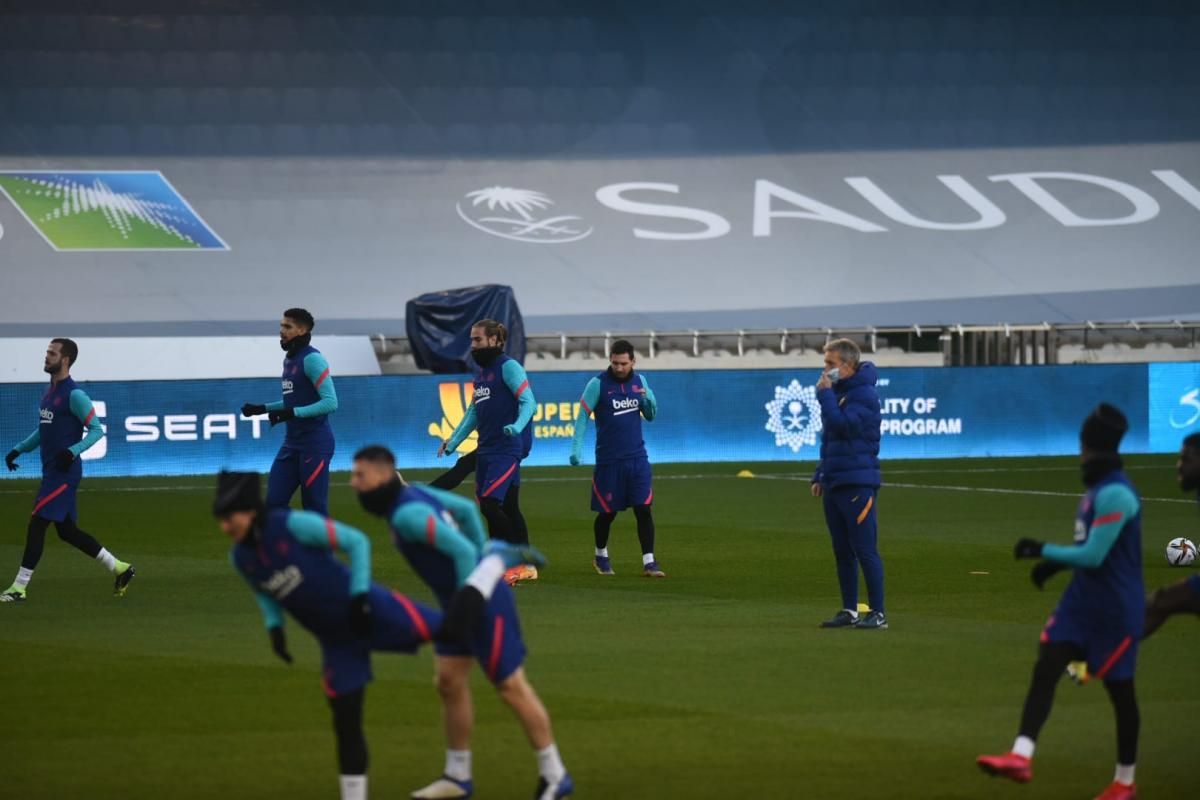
(83,409)
(1115,505)
(310,529)
(514,377)
(316,369)
(461,537)
(591,397)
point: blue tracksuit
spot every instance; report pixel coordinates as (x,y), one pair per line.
(441,536)
(1103,608)
(502,399)
(290,566)
(850,477)
(64,413)
(622,477)
(303,461)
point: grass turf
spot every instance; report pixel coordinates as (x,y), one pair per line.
(714,682)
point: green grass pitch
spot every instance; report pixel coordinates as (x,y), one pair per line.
(714,682)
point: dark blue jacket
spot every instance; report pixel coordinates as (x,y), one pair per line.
(850,439)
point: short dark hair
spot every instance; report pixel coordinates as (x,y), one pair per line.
(1192,441)
(622,347)
(377,454)
(302,316)
(68,348)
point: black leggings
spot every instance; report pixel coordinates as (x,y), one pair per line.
(453,477)
(645,528)
(505,520)
(1053,658)
(348,727)
(68,531)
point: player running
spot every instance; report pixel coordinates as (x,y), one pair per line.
(285,557)
(1099,618)
(1182,597)
(441,535)
(308,400)
(619,397)
(501,410)
(65,413)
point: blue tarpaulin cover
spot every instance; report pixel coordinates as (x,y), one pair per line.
(439,325)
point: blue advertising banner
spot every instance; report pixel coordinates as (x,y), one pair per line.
(193,427)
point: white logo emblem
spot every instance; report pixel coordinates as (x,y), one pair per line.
(1190,402)
(795,416)
(518,220)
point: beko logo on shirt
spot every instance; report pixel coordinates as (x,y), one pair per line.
(283,582)
(47,416)
(482,393)
(628,404)
(288,386)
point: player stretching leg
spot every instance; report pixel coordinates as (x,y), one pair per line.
(65,412)
(308,400)
(441,535)
(285,557)
(1099,618)
(619,398)
(501,410)
(1182,597)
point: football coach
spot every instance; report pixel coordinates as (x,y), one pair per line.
(847,479)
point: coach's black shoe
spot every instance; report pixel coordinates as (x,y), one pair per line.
(875,621)
(122,581)
(842,619)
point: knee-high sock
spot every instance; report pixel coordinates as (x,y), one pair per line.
(601,528)
(35,542)
(645,528)
(348,727)
(512,507)
(499,525)
(1053,658)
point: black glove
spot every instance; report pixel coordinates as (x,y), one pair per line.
(10,460)
(360,615)
(283,415)
(279,643)
(1044,571)
(64,460)
(253,410)
(466,607)
(1028,548)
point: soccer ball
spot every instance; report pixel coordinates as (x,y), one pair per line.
(1181,552)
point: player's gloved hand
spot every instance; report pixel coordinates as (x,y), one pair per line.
(466,607)
(64,460)
(279,643)
(282,415)
(1028,548)
(511,430)
(1044,571)
(10,460)
(360,615)
(574,460)
(253,410)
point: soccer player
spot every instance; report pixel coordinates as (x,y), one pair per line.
(1099,618)
(65,413)
(308,400)
(501,410)
(441,535)
(1182,597)
(619,397)
(285,557)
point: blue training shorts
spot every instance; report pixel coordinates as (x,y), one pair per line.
(1110,651)
(56,497)
(496,641)
(623,484)
(494,473)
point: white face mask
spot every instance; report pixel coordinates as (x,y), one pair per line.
(834,375)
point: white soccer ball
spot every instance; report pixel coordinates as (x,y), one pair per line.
(1181,552)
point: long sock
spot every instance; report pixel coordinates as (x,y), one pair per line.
(601,529)
(107,559)
(458,765)
(1024,746)
(24,575)
(550,765)
(354,787)
(1125,774)
(602,552)
(645,528)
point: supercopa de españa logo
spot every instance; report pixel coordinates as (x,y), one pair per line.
(521,215)
(794,416)
(550,420)
(115,210)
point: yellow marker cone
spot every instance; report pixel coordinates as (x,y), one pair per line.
(863,608)
(745,474)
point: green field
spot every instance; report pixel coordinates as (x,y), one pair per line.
(714,682)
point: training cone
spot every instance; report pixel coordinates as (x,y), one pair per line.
(745,474)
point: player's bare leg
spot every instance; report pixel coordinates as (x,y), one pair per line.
(458,715)
(516,691)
